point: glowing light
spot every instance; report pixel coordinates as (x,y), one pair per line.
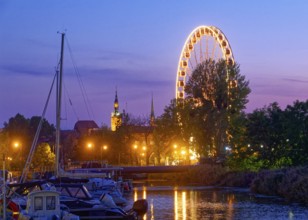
(188,47)
(184,205)
(89,145)
(105,147)
(16,144)
(176,207)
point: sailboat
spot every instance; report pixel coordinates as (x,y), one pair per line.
(85,206)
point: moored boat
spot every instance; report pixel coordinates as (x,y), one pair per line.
(45,205)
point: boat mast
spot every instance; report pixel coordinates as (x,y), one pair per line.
(58,107)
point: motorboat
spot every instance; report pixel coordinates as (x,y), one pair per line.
(98,186)
(45,205)
(80,202)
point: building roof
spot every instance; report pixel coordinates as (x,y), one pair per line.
(85,126)
(141,129)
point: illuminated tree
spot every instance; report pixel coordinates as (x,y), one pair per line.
(44,158)
(220,93)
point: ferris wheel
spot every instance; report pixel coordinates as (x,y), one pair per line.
(203,43)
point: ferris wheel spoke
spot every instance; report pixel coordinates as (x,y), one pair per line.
(213,51)
(207,47)
(195,55)
(201,54)
(191,65)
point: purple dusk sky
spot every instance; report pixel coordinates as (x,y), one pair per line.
(135,46)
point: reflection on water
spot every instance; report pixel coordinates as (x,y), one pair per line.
(185,203)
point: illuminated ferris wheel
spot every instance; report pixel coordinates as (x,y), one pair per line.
(203,43)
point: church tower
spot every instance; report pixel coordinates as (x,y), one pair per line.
(116,116)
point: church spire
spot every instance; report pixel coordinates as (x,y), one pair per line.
(152,116)
(116,102)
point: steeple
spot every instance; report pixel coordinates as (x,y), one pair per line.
(116,102)
(152,116)
(116,116)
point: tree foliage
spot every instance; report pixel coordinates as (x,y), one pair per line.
(211,116)
(220,95)
(44,158)
(21,130)
(278,137)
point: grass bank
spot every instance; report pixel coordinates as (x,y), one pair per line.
(289,183)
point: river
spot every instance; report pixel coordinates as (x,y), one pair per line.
(194,203)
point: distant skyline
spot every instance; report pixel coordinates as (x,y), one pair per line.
(135,46)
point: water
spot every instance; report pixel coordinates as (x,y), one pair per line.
(185,203)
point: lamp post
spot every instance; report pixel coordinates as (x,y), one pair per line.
(135,147)
(103,148)
(17,146)
(90,146)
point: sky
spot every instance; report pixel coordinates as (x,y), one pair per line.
(134,47)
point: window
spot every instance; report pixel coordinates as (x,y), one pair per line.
(50,202)
(38,203)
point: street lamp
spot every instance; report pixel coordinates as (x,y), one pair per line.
(17,146)
(135,156)
(103,148)
(89,145)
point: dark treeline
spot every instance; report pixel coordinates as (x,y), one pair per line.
(274,138)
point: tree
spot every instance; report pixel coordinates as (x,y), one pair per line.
(296,134)
(279,138)
(44,158)
(47,130)
(22,130)
(266,134)
(220,94)
(167,131)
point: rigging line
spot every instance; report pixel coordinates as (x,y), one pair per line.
(82,87)
(37,134)
(71,103)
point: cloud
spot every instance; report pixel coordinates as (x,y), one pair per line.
(38,43)
(18,69)
(295,80)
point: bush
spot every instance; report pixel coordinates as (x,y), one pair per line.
(291,184)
